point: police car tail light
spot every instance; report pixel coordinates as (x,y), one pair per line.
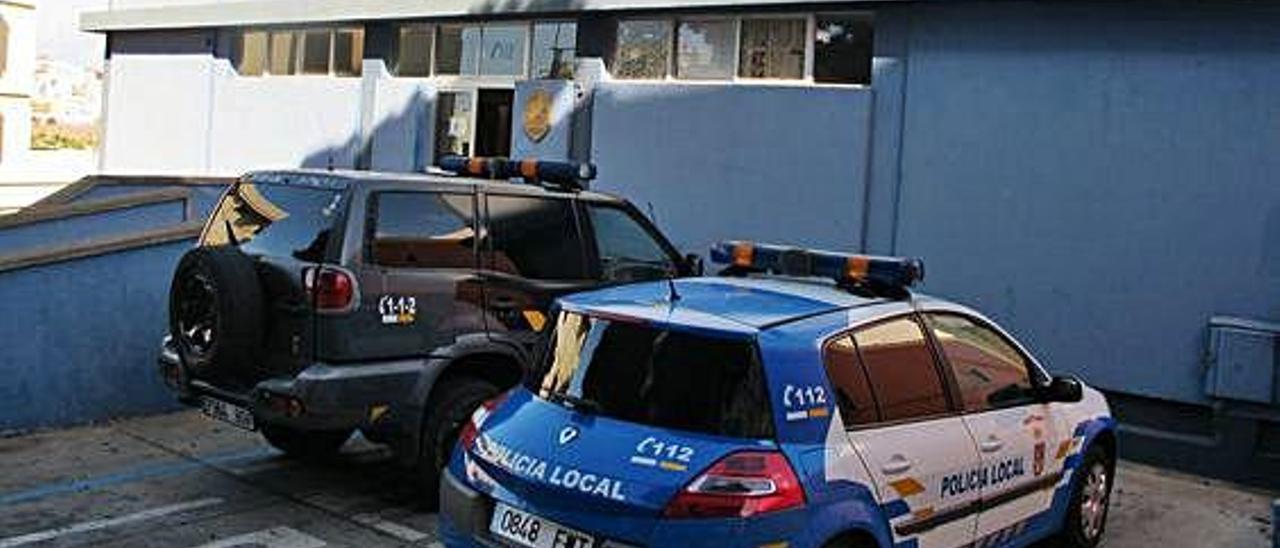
(330,289)
(471,429)
(844,268)
(741,485)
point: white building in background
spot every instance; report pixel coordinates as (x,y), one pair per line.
(17,79)
(66,93)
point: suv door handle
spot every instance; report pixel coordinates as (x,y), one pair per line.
(896,465)
(992,445)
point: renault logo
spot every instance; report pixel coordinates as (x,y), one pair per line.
(568,434)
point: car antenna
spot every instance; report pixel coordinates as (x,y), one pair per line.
(231,234)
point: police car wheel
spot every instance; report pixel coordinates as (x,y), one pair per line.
(1087,513)
(451,406)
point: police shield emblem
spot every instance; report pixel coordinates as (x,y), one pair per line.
(537,115)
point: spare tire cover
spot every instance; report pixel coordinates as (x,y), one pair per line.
(216,312)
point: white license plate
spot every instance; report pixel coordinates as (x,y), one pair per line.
(527,529)
(227,412)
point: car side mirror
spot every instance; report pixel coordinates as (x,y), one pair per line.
(1064,389)
(692,265)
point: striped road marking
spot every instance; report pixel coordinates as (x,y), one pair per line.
(84,527)
(407,534)
(275,537)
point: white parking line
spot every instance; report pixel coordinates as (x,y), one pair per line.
(84,527)
(275,537)
(394,529)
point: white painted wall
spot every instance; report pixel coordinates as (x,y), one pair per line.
(174,107)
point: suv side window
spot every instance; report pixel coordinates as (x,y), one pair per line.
(535,238)
(627,251)
(422,230)
(900,366)
(990,372)
(849,378)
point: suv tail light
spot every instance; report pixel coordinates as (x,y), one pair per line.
(470,429)
(331,289)
(740,485)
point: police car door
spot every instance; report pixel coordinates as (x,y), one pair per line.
(892,397)
(1015,433)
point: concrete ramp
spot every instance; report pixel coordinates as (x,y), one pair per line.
(84,278)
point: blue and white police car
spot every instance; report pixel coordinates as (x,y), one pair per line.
(802,398)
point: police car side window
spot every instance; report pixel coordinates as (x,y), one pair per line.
(422,230)
(535,238)
(990,372)
(900,367)
(627,251)
(849,377)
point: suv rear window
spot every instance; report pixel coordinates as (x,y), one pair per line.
(275,220)
(662,378)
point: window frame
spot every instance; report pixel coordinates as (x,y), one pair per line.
(949,389)
(1037,375)
(432,31)
(371,227)
(810,18)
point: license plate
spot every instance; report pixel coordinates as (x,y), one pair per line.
(527,529)
(227,412)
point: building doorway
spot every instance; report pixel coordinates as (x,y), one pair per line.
(493,122)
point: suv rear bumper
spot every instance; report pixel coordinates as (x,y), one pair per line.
(328,397)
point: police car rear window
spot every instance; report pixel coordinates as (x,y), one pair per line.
(276,220)
(656,377)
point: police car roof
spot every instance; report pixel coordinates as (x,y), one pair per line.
(724,304)
(341,179)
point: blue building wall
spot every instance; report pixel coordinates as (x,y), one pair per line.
(778,163)
(1102,178)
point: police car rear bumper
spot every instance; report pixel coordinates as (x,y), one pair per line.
(464,513)
(328,397)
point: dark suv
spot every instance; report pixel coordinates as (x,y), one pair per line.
(318,303)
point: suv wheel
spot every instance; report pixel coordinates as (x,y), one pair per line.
(304,444)
(452,404)
(215,310)
(1090,500)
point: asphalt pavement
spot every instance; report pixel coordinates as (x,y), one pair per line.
(182,480)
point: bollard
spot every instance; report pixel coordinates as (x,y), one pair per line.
(1275,523)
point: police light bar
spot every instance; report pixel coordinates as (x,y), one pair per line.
(557,173)
(844,268)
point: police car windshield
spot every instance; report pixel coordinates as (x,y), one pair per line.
(668,379)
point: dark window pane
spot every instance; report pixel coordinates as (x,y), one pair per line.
(900,366)
(990,371)
(643,49)
(553,49)
(423,230)
(253,53)
(853,388)
(276,220)
(705,50)
(348,52)
(283,56)
(535,238)
(772,48)
(627,251)
(666,379)
(449,49)
(315,51)
(414,58)
(842,49)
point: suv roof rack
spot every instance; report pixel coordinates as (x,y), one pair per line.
(863,274)
(571,176)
